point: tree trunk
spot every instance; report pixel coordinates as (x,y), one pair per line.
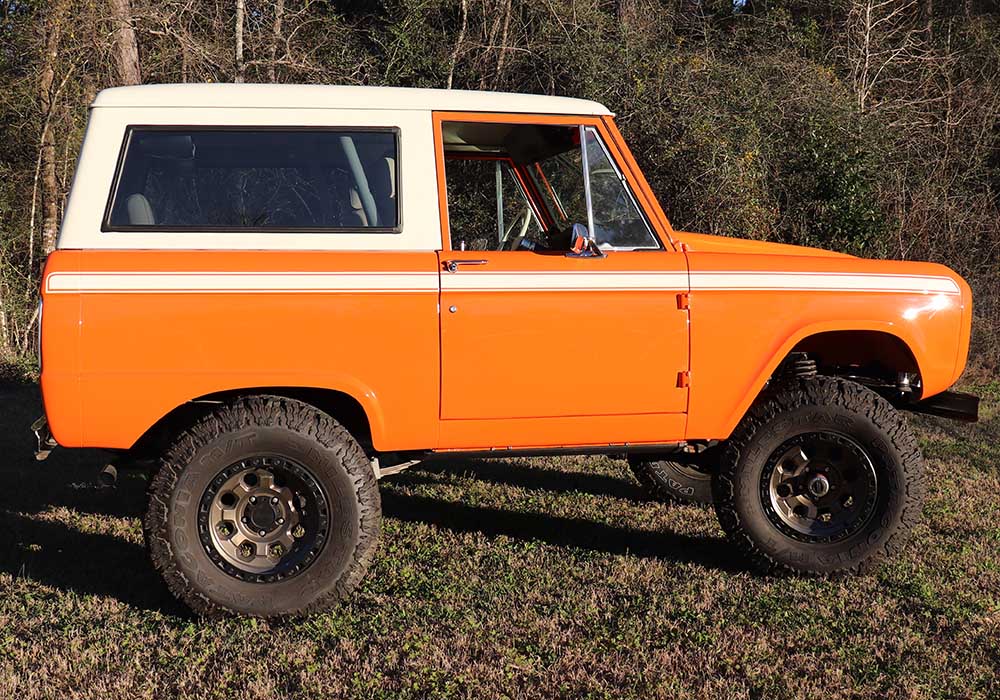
(4,332)
(47,145)
(240,7)
(458,43)
(125,48)
(504,38)
(272,69)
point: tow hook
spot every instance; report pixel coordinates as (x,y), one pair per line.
(46,443)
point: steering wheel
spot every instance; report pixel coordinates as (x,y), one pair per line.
(514,242)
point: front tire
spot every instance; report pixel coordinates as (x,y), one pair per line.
(820,477)
(266,507)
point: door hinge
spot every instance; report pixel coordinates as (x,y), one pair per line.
(683,300)
(683,379)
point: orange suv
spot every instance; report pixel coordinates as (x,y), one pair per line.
(284,293)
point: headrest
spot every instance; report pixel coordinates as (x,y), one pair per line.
(383,180)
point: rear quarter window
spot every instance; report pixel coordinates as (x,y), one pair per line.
(262,179)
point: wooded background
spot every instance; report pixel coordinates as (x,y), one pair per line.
(867,126)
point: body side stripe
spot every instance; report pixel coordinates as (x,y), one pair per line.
(489,281)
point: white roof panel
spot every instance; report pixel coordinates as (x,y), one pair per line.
(249,96)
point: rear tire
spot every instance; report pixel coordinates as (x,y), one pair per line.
(821,476)
(266,507)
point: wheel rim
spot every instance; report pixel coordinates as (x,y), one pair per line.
(819,487)
(264,519)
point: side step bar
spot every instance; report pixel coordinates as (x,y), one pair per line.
(948,404)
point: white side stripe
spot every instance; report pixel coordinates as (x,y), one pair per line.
(476,281)
(245,282)
(822,281)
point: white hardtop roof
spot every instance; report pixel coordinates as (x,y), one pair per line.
(249,96)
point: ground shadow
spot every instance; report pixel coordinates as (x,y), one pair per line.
(712,552)
(97,564)
(506,473)
(85,563)
(48,551)
(67,478)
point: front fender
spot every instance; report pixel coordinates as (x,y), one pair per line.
(740,335)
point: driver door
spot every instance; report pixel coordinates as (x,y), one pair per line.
(539,348)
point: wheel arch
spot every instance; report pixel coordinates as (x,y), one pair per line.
(340,405)
(866,344)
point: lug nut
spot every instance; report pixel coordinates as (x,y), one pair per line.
(825,517)
(848,501)
(275,551)
(298,531)
(247,550)
(225,529)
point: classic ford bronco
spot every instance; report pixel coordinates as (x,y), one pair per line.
(281,294)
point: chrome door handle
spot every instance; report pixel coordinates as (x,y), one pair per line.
(452,265)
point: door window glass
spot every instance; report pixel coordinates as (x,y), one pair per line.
(540,189)
(487,208)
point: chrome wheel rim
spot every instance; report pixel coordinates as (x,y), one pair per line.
(264,519)
(819,487)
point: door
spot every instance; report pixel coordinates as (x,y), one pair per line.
(528,329)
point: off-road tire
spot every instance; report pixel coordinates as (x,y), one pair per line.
(253,426)
(672,482)
(801,407)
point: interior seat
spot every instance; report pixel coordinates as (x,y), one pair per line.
(139,211)
(357,216)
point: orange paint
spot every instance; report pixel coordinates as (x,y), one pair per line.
(540,349)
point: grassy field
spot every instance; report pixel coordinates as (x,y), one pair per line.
(521,578)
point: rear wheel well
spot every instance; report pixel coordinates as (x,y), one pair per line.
(867,356)
(342,407)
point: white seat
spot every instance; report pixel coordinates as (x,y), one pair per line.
(140,213)
(357,214)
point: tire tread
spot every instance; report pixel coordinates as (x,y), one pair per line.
(821,391)
(269,411)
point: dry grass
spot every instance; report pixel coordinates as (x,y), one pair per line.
(527,578)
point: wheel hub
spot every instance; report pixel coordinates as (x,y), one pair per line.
(263,519)
(263,516)
(819,487)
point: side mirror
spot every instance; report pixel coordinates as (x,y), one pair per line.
(583,246)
